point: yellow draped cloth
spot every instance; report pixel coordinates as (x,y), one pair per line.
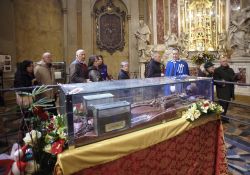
(72,161)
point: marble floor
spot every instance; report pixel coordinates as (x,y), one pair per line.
(237,137)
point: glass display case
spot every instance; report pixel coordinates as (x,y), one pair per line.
(101,110)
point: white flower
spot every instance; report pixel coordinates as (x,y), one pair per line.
(47,148)
(61,133)
(32,137)
(219,109)
(201,107)
(196,114)
(212,106)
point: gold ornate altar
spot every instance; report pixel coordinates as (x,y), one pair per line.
(202,21)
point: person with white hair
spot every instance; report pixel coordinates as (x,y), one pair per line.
(124,72)
(78,70)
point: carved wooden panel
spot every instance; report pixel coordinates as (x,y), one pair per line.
(110,23)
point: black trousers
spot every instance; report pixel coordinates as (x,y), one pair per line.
(224,106)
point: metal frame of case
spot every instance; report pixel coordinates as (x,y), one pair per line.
(69,93)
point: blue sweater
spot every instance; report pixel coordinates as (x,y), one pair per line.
(176,68)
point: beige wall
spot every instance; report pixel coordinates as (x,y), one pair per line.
(7,29)
(38,28)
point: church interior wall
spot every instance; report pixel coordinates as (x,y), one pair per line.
(7,30)
(38,28)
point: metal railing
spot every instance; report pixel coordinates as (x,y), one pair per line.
(237,103)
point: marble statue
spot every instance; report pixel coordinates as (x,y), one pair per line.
(171,40)
(238,34)
(222,41)
(143,36)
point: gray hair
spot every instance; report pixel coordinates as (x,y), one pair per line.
(79,51)
(123,63)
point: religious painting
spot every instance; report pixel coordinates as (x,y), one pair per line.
(110,23)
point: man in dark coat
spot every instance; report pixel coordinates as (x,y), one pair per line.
(154,66)
(124,74)
(224,91)
(78,70)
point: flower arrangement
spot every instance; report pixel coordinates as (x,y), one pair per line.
(52,128)
(199,108)
(203,57)
(55,137)
(45,137)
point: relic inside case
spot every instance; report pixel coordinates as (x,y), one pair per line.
(90,100)
(111,117)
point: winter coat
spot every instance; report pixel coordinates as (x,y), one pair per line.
(153,69)
(94,74)
(223,90)
(45,76)
(103,69)
(78,72)
(123,75)
(23,79)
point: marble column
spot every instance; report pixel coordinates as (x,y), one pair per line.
(133,20)
(174,16)
(154,5)
(79,23)
(160,21)
(87,27)
(166,16)
(71,29)
(65,30)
